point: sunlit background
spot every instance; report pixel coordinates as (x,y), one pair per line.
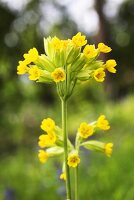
(23,103)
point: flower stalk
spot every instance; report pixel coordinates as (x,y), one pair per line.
(65,137)
(76,184)
(67,63)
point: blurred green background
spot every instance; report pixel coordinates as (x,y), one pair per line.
(23,103)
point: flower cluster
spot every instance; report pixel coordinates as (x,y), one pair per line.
(52,141)
(66,62)
(85,131)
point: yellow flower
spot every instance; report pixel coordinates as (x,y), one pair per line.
(56,43)
(79,40)
(31,56)
(47,140)
(99,74)
(110,65)
(73,159)
(58,75)
(43,156)
(102,123)
(85,130)
(63,176)
(104,48)
(34,73)
(108,149)
(52,137)
(65,43)
(48,125)
(90,51)
(22,68)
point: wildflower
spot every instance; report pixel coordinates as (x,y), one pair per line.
(31,56)
(79,40)
(99,74)
(85,130)
(102,123)
(65,43)
(52,136)
(110,65)
(34,73)
(56,43)
(22,68)
(108,149)
(43,156)
(104,48)
(90,51)
(47,140)
(48,125)
(73,159)
(63,176)
(58,75)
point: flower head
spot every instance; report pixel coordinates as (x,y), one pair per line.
(85,130)
(22,68)
(58,75)
(108,149)
(63,176)
(34,73)
(99,74)
(47,140)
(90,51)
(103,123)
(110,65)
(43,156)
(65,43)
(79,40)
(31,56)
(48,125)
(73,159)
(56,43)
(104,48)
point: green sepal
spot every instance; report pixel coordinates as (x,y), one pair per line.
(46,40)
(62,57)
(46,63)
(57,58)
(93,145)
(73,54)
(59,136)
(58,131)
(60,89)
(78,64)
(45,77)
(44,80)
(55,151)
(48,48)
(71,87)
(94,65)
(83,75)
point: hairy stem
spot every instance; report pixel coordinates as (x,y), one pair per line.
(65,135)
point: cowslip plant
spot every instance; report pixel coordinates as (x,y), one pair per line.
(67,63)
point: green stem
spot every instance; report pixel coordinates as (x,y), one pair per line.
(64,127)
(76,183)
(77,143)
